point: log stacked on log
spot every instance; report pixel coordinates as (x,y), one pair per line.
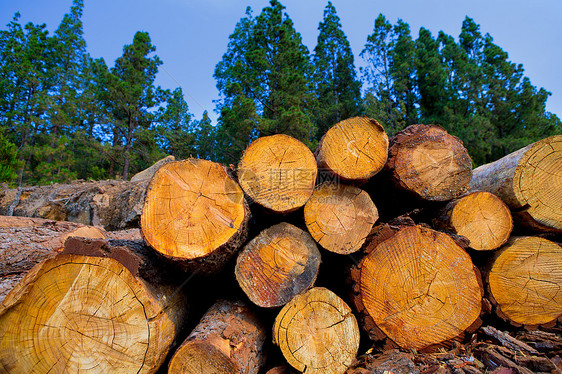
(104,309)
(291,252)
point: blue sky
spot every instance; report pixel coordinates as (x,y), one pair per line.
(191,36)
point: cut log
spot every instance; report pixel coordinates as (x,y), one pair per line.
(481,217)
(281,262)
(195,214)
(317,333)
(24,242)
(525,280)
(227,340)
(430,163)
(529,181)
(339,217)
(75,313)
(148,173)
(416,286)
(278,172)
(353,149)
(114,205)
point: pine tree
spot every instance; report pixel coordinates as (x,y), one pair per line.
(176,128)
(338,92)
(403,73)
(131,96)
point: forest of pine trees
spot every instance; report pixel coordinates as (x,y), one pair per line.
(65,115)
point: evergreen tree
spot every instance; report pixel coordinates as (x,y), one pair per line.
(283,70)
(131,96)
(205,138)
(403,73)
(176,128)
(338,92)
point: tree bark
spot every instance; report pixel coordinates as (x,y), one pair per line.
(481,217)
(228,339)
(95,307)
(524,281)
(429,163)
(339,217)
(278,172)
(281,262)
(24,242)
(416,287)
(529,181)
(353,149)
(317,333)
(195,214)
(114,205)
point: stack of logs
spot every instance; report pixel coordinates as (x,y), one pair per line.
(396,251)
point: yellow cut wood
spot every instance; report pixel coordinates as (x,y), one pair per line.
(278,172)
(75,314)
(525,280)
(339,217)
(317,333)
(353,149)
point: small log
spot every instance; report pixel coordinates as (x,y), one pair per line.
(430,163)
(416,286)
(105,312)
(481,217)
(525,278)
(24,242)
(340,217)
(281,262)
(353,149)
(317,333)
(111,204)
(278,172)
(195,214)
(228,340)
(529,181)
(148,173)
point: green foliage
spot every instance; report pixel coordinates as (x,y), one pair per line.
(9,163)
(337,90)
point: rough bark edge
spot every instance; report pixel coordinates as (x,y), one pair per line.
(379,234)
(216,260)
(410,135)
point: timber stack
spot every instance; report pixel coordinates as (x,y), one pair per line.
(369,255)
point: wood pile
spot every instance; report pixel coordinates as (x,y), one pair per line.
(371,255)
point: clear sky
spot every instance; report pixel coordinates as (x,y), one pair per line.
(191,36)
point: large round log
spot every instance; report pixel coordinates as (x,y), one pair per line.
(278,172)
(195,214)
(317,333)
(525,280)
(281,262)
(76,313)
(529,181)
(227,340)
(339,217)
(428,162)
(353,149)
(481,217)
(416,286)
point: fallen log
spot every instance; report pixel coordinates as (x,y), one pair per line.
(108,311)
(278,172)
(339,217)
(353,149)
(416,287)
(195,214)
(524,281)
(228,340)
(111,204)
(24,242)
(281,262)
(481,217)
(429,163)
(317,333)
(529,181)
